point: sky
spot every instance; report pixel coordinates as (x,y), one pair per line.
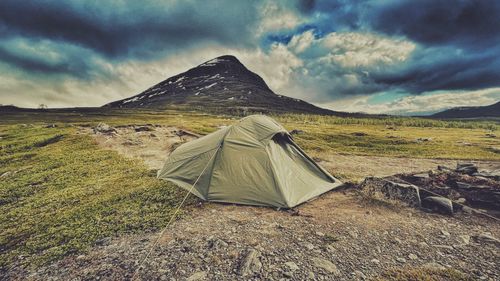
(396,57)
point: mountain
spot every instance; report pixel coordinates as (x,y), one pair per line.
(470,112)
(222,84)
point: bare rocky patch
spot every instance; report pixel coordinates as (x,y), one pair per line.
(147,142)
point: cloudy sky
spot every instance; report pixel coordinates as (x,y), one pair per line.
(400,57)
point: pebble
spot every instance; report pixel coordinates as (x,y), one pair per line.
(326,265)
(465,239)
(401,260)
(308,246)
(445,233)
(200,275)
(291,265)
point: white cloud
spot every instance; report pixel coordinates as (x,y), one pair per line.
(336,65)
(276,16)
(429,102)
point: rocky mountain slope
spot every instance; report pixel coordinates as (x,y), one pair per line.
(470,112)
(222,83)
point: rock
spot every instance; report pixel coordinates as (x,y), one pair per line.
(466,168)
(465,239)
(444,168)
(495,174)
(131,142)
(433,266)
(181,133)
(291,266)
(486,237)
(320,234)
(420,176)
(461,200)
(490,135)
(103,242)
(308,246)
(359,134)
(104,128)
(216,244)
(143,129)
(296,132)
(51,126)
(494,149)
(360,274)
(311,275)
(326,265)
(423,244)
(424,139)
(467,210)
(401,260)
(375,261)
(445,233)
(412,257)
(463,185)
(250,263)
(200,275)
(330,249)
(407,193)
(438,204)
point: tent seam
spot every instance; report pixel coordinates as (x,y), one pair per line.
(277,183)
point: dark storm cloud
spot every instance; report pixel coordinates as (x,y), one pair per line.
(458,40)
(48,58)
(443,69)
(459,43)
(465,23)
(36,65)
(139,29)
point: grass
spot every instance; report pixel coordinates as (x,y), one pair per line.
(60,192)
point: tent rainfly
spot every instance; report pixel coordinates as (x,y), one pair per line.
(253,162)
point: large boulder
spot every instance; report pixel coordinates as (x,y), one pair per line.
(466,168)
(407,193)
(438,204)
(104,128)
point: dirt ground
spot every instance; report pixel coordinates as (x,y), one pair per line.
(336,237)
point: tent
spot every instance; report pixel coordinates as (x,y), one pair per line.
(253,162)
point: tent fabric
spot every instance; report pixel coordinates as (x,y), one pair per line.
(253,162)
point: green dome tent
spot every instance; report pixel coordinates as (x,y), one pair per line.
(253,162)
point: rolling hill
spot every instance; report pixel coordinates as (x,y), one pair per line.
(470,112)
